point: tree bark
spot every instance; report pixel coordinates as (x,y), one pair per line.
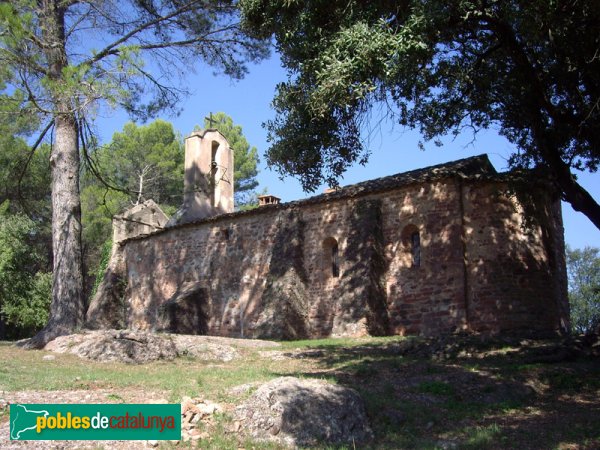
(572,192)
(67,287)
(536,101)
(67,307)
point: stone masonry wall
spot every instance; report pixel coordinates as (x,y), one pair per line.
(514,280)
(428,299)
(478,270)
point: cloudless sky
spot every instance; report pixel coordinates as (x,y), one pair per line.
(393,149)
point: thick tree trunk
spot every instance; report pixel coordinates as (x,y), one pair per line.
(580,199)
(572,192)
(67,307)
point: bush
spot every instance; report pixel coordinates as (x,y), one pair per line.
(25,285)
(30,314)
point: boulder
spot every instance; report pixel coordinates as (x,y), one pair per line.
(297,412)
(116,345)
(141,346)
(204,347)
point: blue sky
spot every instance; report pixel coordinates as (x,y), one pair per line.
(393,149)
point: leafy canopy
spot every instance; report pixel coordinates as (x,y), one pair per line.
(529,68)
(24,176)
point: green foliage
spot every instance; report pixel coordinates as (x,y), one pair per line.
(528,68)
(29,312)
(482,437)
(99,205)
(62,62)
(583,267)
(24,178)
(146,161)
(104,58)
(141,162)
(25,243)
(245,159)
(25,288)
(102,265)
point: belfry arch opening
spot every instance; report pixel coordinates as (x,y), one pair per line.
(214,169)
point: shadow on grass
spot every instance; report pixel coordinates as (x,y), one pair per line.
(417,399)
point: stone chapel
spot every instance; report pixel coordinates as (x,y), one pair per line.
(430,251)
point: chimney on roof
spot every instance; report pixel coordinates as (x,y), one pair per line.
(264,200)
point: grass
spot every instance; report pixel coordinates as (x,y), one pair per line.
(482,437)
(436,388)
(412,402)
(70,372)
(336,343)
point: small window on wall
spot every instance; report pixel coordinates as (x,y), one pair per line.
(331,257)
(335,261)
(415,240)
(411,241)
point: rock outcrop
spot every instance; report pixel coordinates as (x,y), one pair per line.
(297,412)
(138,347)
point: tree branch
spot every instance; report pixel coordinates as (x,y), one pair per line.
(190,41)
(109,49)
(21,60)
(28,160)
(91,164)
(82,17)
(506,34)
(31,96)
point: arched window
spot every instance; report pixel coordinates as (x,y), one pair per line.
(331,257)
(415,241)
(411,240)
(335,261)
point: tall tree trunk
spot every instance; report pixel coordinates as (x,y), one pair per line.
(67,307)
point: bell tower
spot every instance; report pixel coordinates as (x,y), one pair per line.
(208,182)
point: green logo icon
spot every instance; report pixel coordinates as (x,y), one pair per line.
(23,419)
(95,422)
